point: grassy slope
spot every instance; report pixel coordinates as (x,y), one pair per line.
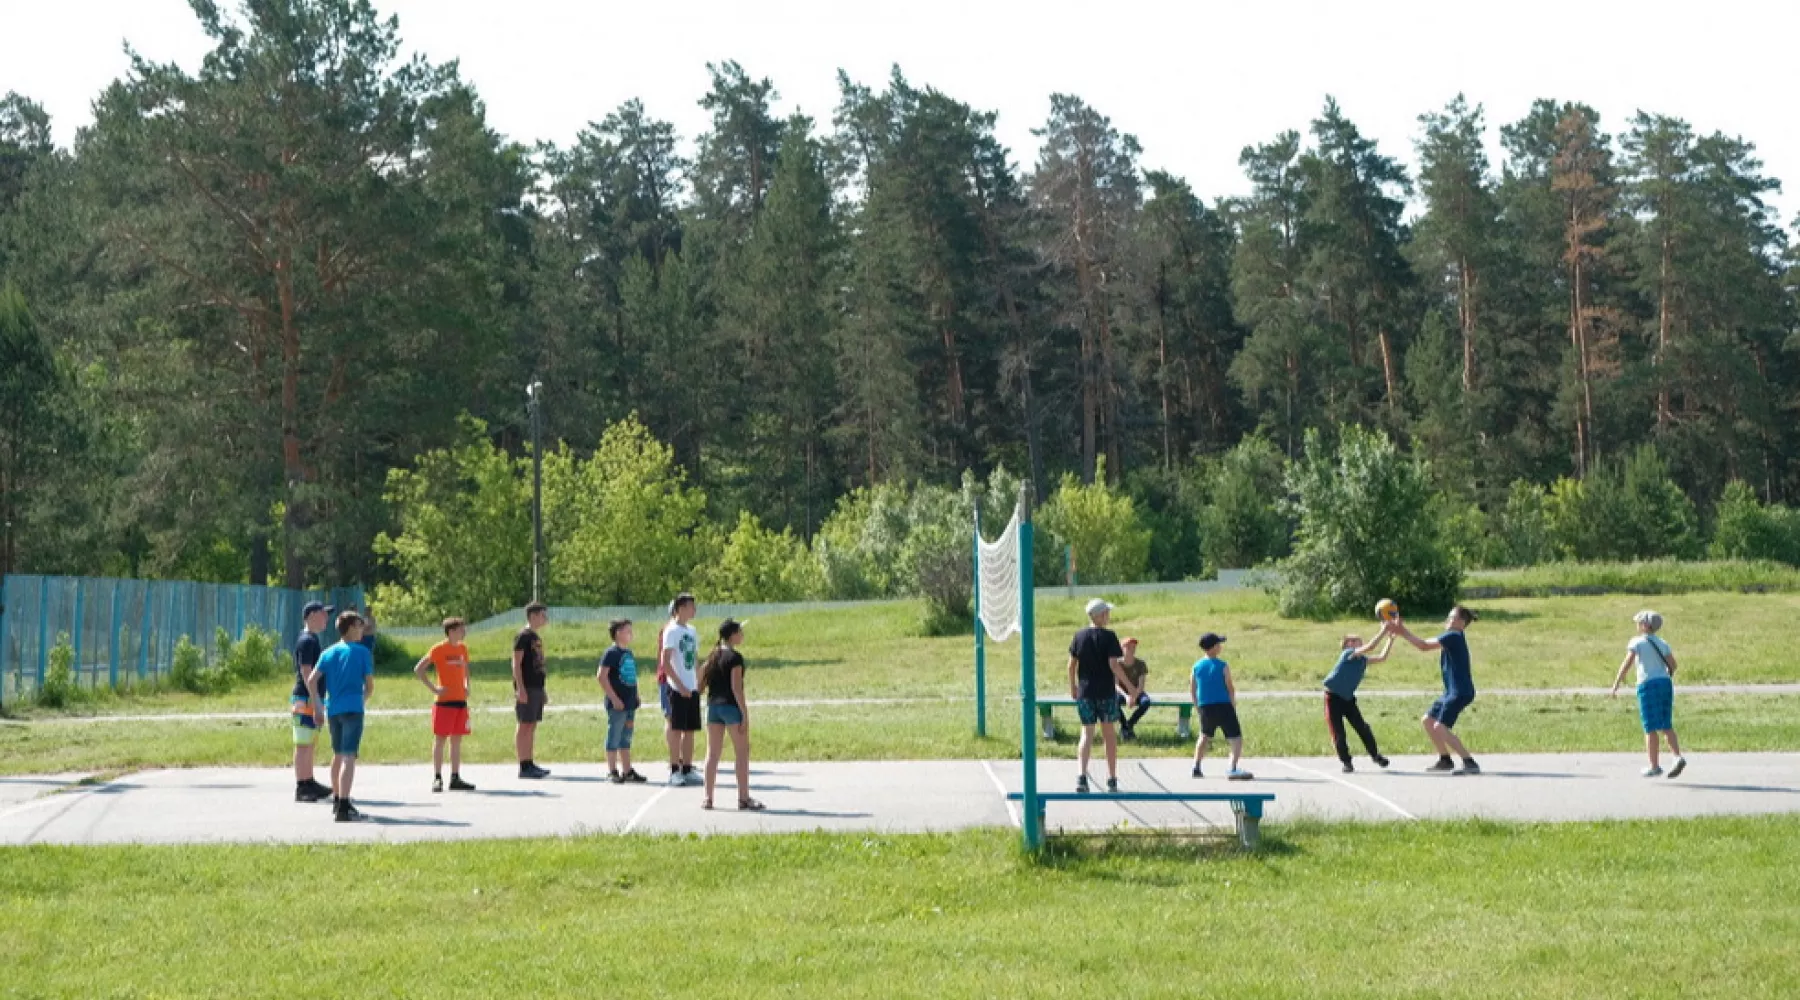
(1540,643)
(1690,908)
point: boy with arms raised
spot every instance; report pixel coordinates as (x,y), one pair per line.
(1459,688)
(679,662)
(618,679)
(345,676)
(450,711)
(528,688)
(308,714)
(1340,696)
(1215,698)
(1096,676)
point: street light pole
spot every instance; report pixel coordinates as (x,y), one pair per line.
(534,405)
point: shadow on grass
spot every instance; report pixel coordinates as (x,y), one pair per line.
(1088,854)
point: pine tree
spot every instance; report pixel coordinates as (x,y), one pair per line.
(1581,175)
(1457,229)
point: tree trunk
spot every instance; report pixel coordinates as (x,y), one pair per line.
(1466,317)
(1162,385)
(1387,371)
(293,465)
(1662,334)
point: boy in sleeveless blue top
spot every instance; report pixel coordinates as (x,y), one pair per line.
(1215,696)
(1459,688)
(1656,690)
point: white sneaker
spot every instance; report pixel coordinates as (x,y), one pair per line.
(692,778)
(1651,772)
(675,779)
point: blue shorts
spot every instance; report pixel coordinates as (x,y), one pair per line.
(1656,704)
(619,727)
(662,693)
(1447,708)
(724,715)
(346,733)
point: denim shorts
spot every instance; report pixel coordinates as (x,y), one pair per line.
(620,723)
(346,733)
(724,715)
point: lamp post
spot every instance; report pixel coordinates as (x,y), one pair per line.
(534,394)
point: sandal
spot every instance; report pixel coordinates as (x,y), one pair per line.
(750,805)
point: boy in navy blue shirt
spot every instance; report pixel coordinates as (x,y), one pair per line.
(1216,698)
(1459,688)
(1340,697)
(346,675)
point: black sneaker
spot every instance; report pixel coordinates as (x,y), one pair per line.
(1468,767)
(615,777)
(532,771)
(1081,784)
(437,784)
(347,813)
(459,785)
(1381,762)
(1443,765)
(1197,773)
(632,777)
(1349,768)
(311,792)
(1128,735)
(1112,784)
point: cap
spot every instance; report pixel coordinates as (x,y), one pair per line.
(1211,639)
(1130,640)
(730,627)
(312,608)
(1096,606)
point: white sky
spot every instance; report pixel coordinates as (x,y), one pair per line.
(1195,81)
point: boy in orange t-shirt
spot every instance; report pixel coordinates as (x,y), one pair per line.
(450,713)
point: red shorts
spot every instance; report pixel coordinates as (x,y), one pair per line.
(450,720)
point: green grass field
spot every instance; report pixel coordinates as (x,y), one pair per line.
(1693,909)
(1522,642)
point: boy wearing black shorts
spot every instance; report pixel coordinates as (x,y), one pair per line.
(678,662)
(1459,688)
(1215,696)
(528,688)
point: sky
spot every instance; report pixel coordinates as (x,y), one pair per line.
(1195,81)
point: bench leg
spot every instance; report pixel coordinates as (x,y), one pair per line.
(1249,823)
(1048,721)
(1184,726)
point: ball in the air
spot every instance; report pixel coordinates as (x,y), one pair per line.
(1386,610)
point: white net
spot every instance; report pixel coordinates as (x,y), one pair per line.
(998,571)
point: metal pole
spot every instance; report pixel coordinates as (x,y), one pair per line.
(112,642)
(980,638)
(5,586)
(1034,818)
(43,629)
(533,402)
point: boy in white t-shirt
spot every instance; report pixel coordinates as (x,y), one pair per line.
(677,662)
(1655,690)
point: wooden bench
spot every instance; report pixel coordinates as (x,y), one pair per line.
(1183,724)
(1246,807)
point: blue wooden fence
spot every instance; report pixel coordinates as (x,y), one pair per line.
(127,629)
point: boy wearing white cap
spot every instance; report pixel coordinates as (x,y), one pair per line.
(1096,676)
(1655,690)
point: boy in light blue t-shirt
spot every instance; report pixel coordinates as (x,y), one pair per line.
(346,676)
(1215,697)
(1655,690)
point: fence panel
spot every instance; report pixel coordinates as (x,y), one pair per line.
(121,631)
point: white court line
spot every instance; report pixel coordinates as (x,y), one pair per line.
(1352,785)
(1011,811)
(1189,806)
(645,808)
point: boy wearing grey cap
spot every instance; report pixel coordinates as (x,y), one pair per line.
(1096,676)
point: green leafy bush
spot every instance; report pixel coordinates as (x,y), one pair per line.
(255,657)
(1242,523)
(1101,525)
(60,689)
(1623,511)
(1368,530)
(188,670)
(1745,528)
(760,564)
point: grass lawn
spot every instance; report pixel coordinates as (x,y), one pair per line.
(1699,908)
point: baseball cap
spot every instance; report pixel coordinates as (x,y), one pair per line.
(1130,640)
(1096,606)
(311,608)
(1211,639)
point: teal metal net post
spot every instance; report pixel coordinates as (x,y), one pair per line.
(5,592)
(980,638)
(1033,824)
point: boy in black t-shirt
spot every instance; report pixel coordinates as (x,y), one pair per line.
(618,679)
(528,688)
(308,715)
(1096,678)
